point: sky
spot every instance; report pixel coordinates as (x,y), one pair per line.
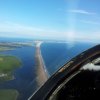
(51,19)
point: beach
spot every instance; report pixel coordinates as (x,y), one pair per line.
(41,72)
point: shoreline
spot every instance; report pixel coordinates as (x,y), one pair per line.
(41,72)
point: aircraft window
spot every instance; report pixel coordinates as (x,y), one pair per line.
(85,85)
(37,37)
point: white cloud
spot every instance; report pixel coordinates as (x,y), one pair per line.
(13,27)
(89,22)
(83,37)
(18,30)
(79,11)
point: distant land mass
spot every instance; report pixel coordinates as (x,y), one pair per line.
(6,46)
(2,48)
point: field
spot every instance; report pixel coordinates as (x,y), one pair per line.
(8,94)
(2,48)
(7,65)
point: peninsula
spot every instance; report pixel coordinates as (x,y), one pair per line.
(41,71)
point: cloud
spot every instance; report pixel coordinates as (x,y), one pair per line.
(89,22)
(83,37)
(79,11)
(11,29)
(18,28)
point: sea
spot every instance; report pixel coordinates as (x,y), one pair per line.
(55,55)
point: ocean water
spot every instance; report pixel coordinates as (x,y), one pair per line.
(5,39)
(25,77)
(57,54)
(54,55)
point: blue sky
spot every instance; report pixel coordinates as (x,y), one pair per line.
(51,19)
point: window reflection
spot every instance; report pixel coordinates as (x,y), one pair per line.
(85,84)
(94,65)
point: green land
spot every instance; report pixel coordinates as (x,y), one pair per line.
(7,65)
(8,94)
(2,48)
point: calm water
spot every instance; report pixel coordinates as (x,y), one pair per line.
(24,80)
(54,55)
(57,54)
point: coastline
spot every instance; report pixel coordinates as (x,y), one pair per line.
(41,72)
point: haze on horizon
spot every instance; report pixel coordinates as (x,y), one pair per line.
(51,19)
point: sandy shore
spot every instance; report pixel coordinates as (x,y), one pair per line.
(41,71)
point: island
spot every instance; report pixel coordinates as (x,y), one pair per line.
(8,94)
(6,46)
(3,48)
(7,65)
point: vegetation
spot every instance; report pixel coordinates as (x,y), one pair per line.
(7,65)
(8,94)
(2,48)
